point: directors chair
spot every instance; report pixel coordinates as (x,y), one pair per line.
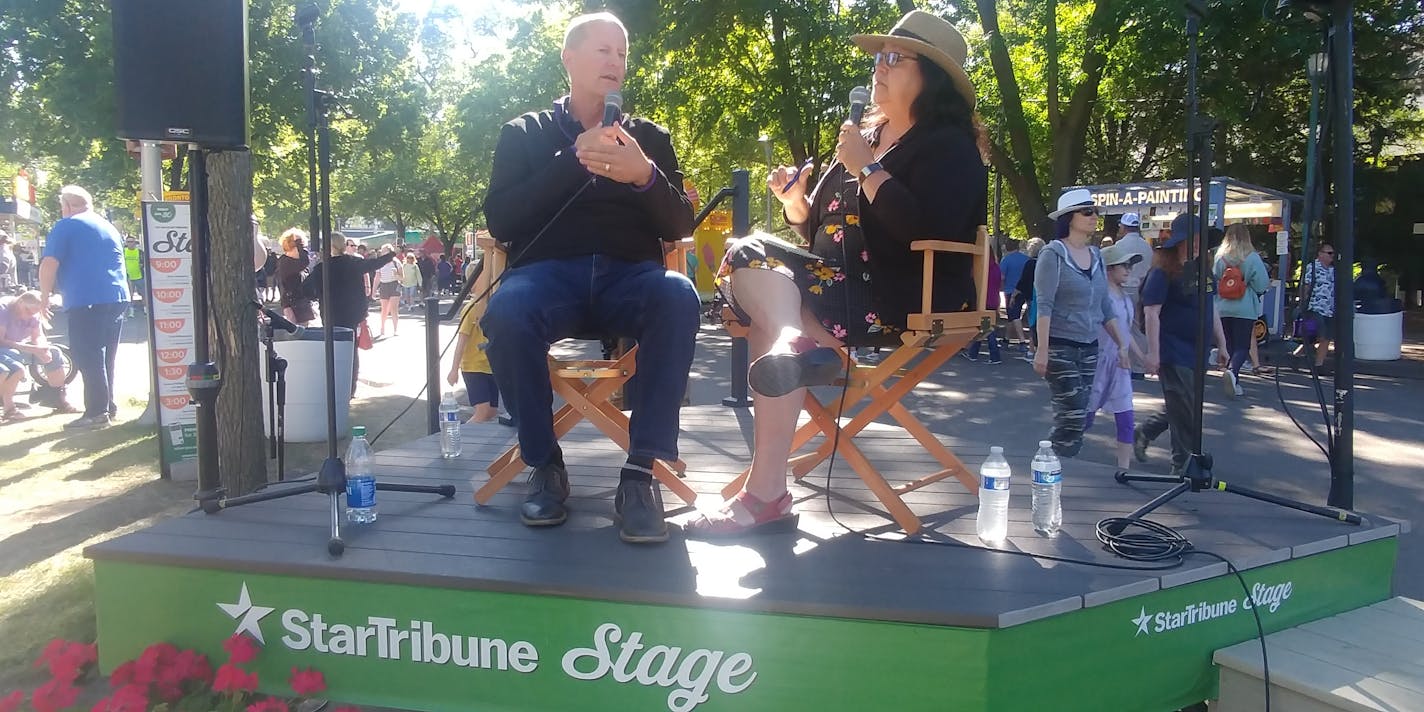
(930,337)
(588,388)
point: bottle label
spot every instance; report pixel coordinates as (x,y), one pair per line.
(1047,477)
(995,483)
(450,416)
(361,492)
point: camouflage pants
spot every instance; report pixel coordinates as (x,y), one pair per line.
(1070,381)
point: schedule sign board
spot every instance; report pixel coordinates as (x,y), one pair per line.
(168,287)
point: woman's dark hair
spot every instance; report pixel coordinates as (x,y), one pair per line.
(941,104)
(1061,225)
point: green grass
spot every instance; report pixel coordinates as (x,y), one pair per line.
(63,491)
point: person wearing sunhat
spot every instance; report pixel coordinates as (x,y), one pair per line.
(1169,307)
(912,170)
(1072,292)
(1112,383)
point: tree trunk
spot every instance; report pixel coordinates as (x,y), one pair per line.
(1070,134)
(234,322)
(1017,164)
(789,95)
(1050,41)
(178,171)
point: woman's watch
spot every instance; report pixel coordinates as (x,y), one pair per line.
(871,169)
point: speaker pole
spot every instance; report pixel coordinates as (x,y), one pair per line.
(204,381)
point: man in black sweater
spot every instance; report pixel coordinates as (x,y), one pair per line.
(583,211)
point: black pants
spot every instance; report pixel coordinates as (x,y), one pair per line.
(1071,368)
(1179,387)
(1238,340)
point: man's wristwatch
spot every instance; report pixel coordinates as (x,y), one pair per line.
(871,169)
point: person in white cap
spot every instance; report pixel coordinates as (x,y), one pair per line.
(1112,384)
(1129,236)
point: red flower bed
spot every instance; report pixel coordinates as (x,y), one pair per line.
(163,675)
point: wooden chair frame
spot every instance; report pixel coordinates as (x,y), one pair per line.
(931,337)
(587,387)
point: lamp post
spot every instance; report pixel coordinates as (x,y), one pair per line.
(1316,65)
(765,142)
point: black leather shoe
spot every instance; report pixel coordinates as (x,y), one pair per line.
(776,375)
(639,513)
(544,505)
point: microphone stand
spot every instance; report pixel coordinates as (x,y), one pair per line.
(1197,474)
(276,386)
(331,478)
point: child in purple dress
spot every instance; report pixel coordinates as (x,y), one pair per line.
(1112,384)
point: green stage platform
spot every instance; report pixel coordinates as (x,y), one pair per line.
(443,605)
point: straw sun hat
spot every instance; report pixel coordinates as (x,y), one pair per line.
(934,39)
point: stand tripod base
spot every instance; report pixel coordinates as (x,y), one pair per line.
(1197,477)
(330,481)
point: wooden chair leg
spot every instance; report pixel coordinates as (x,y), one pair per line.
(934,447)
(670,479)
(499,479)
(896,506)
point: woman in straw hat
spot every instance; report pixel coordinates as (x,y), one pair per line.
(912,170)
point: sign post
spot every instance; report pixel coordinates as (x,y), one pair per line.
(168,275)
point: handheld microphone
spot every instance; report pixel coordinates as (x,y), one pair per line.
(277,320)
(859,97)
(612,108)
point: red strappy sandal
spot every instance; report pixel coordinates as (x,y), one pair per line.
(767,518)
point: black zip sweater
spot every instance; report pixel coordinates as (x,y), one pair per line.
(536,171)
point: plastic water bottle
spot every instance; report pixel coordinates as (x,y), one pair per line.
(1047,489)
(992,523)
(360,482)
(449,426)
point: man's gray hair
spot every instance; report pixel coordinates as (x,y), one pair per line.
(579,25)
(74,196)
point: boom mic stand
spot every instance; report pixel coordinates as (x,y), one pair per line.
(331,479)
(276,386)
(1197,474)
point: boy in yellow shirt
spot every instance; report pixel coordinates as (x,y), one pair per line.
(470,360)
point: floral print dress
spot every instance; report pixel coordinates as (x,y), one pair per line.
(834,275)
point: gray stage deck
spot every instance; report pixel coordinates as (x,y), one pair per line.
(822,571)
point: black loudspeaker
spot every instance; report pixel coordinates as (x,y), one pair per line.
(180,71)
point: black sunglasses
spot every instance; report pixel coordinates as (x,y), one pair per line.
(1327,252)
(1087,211)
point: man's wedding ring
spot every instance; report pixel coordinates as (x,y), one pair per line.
(607,167)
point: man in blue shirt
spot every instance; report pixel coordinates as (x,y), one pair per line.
(84,261)
(1011,267)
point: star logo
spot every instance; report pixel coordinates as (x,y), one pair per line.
(1141,620)
(246,614)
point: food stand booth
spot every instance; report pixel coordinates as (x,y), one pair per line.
(1228,201)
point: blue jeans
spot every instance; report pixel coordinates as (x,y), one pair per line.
(544,302)
(94,332)
(993,340)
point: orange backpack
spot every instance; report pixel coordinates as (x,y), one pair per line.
(1232,284)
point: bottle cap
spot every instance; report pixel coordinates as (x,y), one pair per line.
(996,450)
(358,431)
(1045,443)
